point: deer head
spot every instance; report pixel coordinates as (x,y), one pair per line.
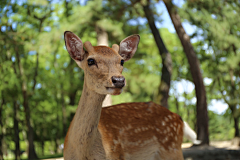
(102,65)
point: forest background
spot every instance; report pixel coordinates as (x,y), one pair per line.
(40,85)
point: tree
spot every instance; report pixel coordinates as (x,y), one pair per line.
(163,90)
(202,115)
(16,130)
(53,82)
(219,49)
(1,126)
(17,52)
(126,11)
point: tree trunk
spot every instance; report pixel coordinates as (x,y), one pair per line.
(102,39)
(16,131)
(41,126)
(233,109)
(177,105)
(56,145)
(202,114)
(1,128)
(163,90)
(15,121)
(30,134)
(42,146)
(64,115)
(233,106)
(236,126)
(72,95)
(102,36)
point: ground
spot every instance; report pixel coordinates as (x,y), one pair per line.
(218,150)
(231,144)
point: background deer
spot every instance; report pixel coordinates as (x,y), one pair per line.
(102,75)
(143,131)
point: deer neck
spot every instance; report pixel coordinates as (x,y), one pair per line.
(85,123)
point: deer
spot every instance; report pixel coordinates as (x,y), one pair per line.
(126,131)
(143,131)
(102,68)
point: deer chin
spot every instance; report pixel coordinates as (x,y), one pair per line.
(114,90)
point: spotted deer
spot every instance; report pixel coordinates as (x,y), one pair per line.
(102,68)
(143,131)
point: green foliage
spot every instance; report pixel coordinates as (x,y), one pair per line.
(218,48)
(219,127)
(33,31)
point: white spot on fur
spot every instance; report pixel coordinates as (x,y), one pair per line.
(139,129)
(136,130)
(129,127)
(154,138)
(176,138)
(115,142)
(178,128)
(166,119)
(174,128)
(166,138)
(163,123)
(169,116)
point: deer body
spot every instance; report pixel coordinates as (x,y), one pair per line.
(102,75)
(142,131)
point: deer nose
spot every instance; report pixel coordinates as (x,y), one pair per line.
(118,82)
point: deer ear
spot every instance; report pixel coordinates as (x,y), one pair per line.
(128,46)
(74,46)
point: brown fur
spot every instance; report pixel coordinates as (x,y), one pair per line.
(141,131)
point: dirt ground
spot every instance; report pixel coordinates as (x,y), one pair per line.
(232,144)
(218,150)
(217,146)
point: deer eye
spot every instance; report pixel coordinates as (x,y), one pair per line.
(91,61)
(122,62)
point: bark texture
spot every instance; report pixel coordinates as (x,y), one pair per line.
(1,127)
(30,133)
(163,90)
(16,131)
(236,126)
(202,114)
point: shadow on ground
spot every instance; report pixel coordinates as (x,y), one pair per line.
(210,153)
(218,150)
